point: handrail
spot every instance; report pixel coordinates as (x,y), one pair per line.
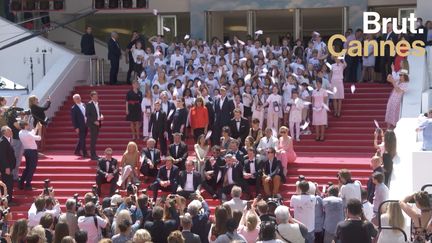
(103,43)
(425,186)
(380,227)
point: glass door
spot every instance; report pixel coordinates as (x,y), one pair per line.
(168,27)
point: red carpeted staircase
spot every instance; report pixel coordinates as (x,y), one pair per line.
(349,144)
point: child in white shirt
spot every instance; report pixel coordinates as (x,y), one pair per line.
(295,115)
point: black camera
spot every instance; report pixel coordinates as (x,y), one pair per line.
(14,112)
(301,178)
(95,189)
(47,188)
(131,189)
(77,203)
(4,212)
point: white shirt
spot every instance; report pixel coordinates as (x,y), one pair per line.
(29,138)
(266,143)
(236,204)
(252,167)
(34,216)
(229,175)
(368,210)
(189,182)
(168,173)
(350,191)
(304,210)
(88,224)
(96,104)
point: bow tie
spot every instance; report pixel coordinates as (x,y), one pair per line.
(189,173)
(238,121)
(151,150)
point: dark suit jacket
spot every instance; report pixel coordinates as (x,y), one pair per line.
(7,155)
(183,176)
(200,223)
(247,167)
(157,127)
(78,119)
(87,44)
(216,167)
(393,37)
(38,112)
(179,118)
(239,156)
(156,155)
(163,176)
(244,129)
(237,173)
(182,152)
(114,51)
(91,114)
(191,237)
(276,169)
(159,230)
(102,170)
(171,107)
(211,113)
(224,115)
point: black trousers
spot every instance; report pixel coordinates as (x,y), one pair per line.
(256,183)
(94,133)
(81,144)
(8,181)
(227,189)
(210,186)
(102,180)
(352,65)
(386,63)
(159,137)
(130,70)
(147,171)
(114,70)
(31,157)
(155,186)
(197,132)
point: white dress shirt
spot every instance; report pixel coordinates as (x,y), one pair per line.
(229,175)
(34,216)
(189,182)
(82,108)
(96,104)
(29,138)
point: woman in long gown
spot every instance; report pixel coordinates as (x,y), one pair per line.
(201,150)
(147,109)
(394,102)
(337,85)
(319,114)
(285,148)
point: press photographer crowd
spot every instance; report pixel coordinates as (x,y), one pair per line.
(245,104)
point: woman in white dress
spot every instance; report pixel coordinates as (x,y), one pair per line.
(274,111)
(392,217)
(336,81)
(258,106)
(147,109)
(201,150)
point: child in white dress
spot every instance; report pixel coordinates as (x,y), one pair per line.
(295,115)
(274,111)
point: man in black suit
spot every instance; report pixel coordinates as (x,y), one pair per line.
(169,108)
(212,167)
(151,159)
(239,126)
(387,59)
(166,179)
(159,229)
(186,224)
(189,181)
(129,58)
(157,126)
(78,112)
(273,174)
(232,175)
(107,172)
(7,160)
(252,171)
(114,54)
(94,122)
(223,114)
(87,42)
(234,150)
(179,151)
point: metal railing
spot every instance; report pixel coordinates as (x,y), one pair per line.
(380,227)
(97,70)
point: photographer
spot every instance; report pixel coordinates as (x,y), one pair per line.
(130,204)
(28,138)
(349,189)
(70,216)
(92,223)
(288,228)
(38,113)
(38,209)
(160,229)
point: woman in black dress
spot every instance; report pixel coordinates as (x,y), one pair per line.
(180,118)
(133,109)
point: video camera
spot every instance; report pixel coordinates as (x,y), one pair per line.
(47,188)
(14,112)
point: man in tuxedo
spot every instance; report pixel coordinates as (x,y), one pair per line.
(178,151)
(151,159)
(107,172)
(78,112)
(212,167)
(114,54)
(94,122)
(239,126)
(223,114)
(387,59)
(169,108)
(189,181)
(166,179)
(186,224)
(157,126)
(7,160)
(272,173)
(234,150)
(232,175)
(252,171)
(87,42)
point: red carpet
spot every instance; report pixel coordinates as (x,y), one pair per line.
(349,144)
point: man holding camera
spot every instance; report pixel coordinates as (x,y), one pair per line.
(107,172)
(7,160)
(38,209)
(28,138)
(93,222)
(70,217)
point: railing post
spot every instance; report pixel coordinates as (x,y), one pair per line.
(102,71)
(97,71)
(91,71)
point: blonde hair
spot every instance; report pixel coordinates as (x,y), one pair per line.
(39,231)
(396,218)
(121,217)
(32,100)
(251,221)
(131,144)
(141,236)
(283,128)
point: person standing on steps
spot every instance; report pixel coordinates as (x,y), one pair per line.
(28,138)
(78,117)
(94,122)
(133,109)
(128,55)
(114,55)
(7,160)
(87,42)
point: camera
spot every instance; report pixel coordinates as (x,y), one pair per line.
(130,189)
(77,203)
(4,212)
(95,189)
(47,188)
(301,178)
(378,130)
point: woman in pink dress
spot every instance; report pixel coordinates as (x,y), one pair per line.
(336,81)
(400,86)
(285,149)
(319,110)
